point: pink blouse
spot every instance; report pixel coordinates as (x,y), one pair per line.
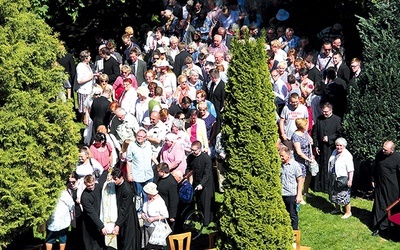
(101,155)
(175,153)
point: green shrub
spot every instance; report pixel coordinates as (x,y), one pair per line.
(37,134)
(374,109)
(253,215)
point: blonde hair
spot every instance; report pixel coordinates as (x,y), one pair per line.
(181,77)
(126,68)
(301,123)
(102,129)
(275,43)
(103,77)
(129,30)
(202,105)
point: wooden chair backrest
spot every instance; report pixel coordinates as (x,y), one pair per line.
(181,240)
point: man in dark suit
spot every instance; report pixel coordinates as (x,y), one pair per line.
(68,63)
(355,65)
(216,95)
(226,37)
(100,111)
(180,59)
(138,66)
(342,70)
(111,66)
(175,8)
(335,93)
(187,31)
(313,73)
(168,189)
(202,180)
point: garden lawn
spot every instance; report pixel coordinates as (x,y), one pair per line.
(320,230)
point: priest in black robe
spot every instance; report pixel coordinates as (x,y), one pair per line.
(93,229)
(168,190)
(202,180)
(326,130)
(127,225)
(385,179)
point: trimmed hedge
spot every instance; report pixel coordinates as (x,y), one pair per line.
(38,136)
(253,215)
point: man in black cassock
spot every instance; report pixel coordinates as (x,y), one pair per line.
(100,111)
(168,189)
(202,180)
(127,225)
(385,179)
(326,130)
(93,229)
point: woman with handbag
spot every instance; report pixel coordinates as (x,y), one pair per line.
(154,216)
(302,153)
(341,169)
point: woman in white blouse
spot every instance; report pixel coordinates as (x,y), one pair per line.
(341,169)
(84,79)
(154,210)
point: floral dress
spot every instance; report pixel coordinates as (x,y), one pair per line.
(304,141)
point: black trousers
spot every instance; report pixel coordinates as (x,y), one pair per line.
(290,203)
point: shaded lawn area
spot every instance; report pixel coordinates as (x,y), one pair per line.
(321,230)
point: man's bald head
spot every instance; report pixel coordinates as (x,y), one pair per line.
(388,147)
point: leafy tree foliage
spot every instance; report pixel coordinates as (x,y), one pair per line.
(253,215)
(37,134)
(374,109)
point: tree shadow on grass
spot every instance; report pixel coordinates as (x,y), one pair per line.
(363,215)
(326,206)
(321,203)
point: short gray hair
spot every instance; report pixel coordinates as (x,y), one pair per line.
(341,141)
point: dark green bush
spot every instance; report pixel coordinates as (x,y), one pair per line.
(374,109)
(37,134)
(253,215)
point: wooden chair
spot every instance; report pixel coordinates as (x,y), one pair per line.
(296,234)
(393,216)
(211,240)
(181,240)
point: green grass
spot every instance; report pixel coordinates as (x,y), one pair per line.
(321,230)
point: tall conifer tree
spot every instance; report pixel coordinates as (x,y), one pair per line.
(253,215)
(374,109)
(37,134)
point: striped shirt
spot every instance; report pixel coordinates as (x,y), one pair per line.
(289,173)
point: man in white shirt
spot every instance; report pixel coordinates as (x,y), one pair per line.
(129,126)
(280,90)
(324,60)
(289,114)
(156,134)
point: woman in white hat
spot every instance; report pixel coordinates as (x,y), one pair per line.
(167,78)
(154,210)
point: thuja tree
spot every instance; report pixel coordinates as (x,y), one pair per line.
(253,215)
(374,109)
(37,132)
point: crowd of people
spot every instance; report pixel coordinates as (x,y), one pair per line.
(153,116)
